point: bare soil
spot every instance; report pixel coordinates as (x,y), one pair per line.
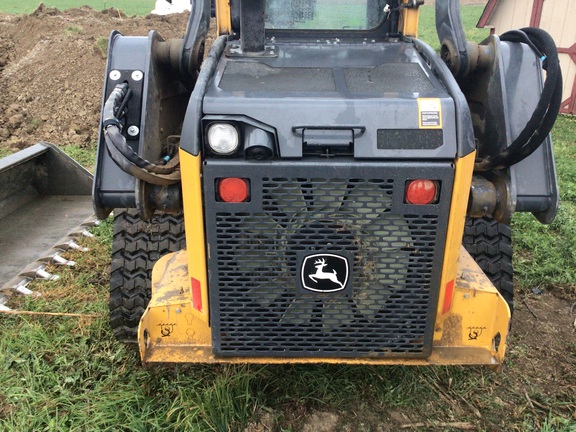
(51,74)
(52,68)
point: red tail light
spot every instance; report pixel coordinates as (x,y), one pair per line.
(233,190)
(422,192)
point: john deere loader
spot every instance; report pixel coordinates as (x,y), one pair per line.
(322,186)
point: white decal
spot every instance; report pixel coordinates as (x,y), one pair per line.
(321,274)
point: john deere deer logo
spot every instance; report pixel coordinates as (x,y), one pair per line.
(321,274)
(324,272)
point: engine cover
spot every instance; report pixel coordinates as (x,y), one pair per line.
(390,100)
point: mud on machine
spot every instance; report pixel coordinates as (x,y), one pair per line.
(323,186)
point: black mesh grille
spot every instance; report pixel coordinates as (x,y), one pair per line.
(258,303)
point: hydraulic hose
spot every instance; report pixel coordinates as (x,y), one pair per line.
(544,116)
(122,154)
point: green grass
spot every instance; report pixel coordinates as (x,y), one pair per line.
(4,151)
(102,46)
(470,16)
(85,156)
(545,256)
(130,7)
(73,31)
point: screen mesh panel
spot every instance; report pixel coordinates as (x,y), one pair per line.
(260,303)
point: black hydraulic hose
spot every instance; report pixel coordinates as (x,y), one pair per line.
(122,107)
(118,140)
(141,174)
(115,99)
(543,130)
(544,116)
(552,67)
(520,36)
(122,154)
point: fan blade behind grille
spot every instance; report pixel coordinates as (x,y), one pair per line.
(305,214)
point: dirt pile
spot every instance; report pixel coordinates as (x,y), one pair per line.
(52,67)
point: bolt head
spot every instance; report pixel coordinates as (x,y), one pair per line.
(133,130)
(137,75)
(115,75)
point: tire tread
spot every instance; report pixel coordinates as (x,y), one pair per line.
(490,244)
(136,246)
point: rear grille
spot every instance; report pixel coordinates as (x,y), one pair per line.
(258,303)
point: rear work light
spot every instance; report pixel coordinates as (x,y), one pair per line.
(223,138)
(233,190)
(422,192)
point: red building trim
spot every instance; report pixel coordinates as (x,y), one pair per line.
(490,7)
(569,105)
(487,14)
(536,13)
(570,51)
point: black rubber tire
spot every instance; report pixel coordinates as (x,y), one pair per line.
(136,246)
(490,244)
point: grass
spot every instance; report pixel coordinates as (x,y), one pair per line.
(470,16)
(101,46)
(73,31)
(545,257)
(63,373)
(130,7)
(85,156)
(5,151)
(69,374)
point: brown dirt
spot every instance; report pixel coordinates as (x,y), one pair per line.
(51,75)
(51,71)
(538,382)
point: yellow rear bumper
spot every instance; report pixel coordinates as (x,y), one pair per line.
(472,332)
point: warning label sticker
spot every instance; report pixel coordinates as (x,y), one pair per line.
(429,114)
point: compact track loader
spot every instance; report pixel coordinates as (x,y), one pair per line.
(322,186)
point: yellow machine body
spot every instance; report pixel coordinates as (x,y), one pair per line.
(471,323)
(472,332)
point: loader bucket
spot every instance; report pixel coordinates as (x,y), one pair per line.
(44,194)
